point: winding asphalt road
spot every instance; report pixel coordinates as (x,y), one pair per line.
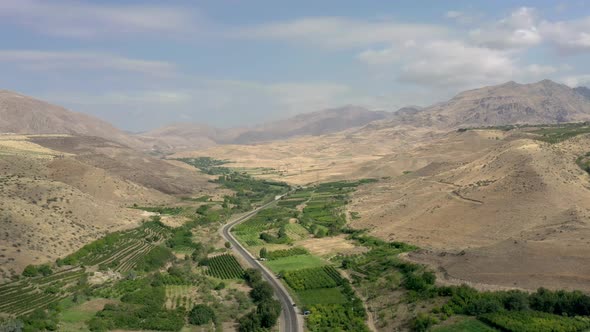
(290,320)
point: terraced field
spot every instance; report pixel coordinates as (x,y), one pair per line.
(120,252)
(22,297)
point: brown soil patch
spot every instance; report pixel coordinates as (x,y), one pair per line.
(329,246)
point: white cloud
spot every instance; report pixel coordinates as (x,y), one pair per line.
(576,80)
(340,32)
(568,36)
(452,63)
(519,30)
(46,60)
(442,63)
(82,20)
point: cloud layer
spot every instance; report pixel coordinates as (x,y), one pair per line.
(139,64)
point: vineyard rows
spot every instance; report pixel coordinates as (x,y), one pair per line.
(313,278)
(225,266)
(24,296)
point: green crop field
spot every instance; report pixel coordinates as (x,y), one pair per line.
(296,231)
(295,263)
(313,278)
(224,266)
(278,254)
(321,296)
(22,297)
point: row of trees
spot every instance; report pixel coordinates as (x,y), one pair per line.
(267,309)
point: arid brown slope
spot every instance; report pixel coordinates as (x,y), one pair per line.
(129,164)
(53,202)
(515,214)
(343,155)
(22,114)
(313,124)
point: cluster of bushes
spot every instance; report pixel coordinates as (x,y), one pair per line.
(141,309)
(33,271)
(201,314)
(280,238)
(99,246)
(38,320)
(155,258)
(267,309)
(335,317)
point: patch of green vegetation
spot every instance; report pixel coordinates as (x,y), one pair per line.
(291,203)
(335,317)
(274,218)
(323,213)
(277,254)
(75,315)
(313,278)
(376,270)
(267,310)
(249,190)
(142,309)
(208,165)
(532,321)
(556,134)
(296,231)
(224,266)
(466,325)
(321,296)
(295,263)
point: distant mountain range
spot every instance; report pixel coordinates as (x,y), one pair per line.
(509,103)
(544,102)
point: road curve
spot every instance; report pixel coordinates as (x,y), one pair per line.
(290,320)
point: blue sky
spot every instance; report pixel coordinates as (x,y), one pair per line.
(144,64)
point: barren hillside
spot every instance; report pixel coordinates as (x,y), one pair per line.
(20,114)
(59,192)
(514,213)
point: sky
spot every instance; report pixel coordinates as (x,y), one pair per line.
(145,64)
